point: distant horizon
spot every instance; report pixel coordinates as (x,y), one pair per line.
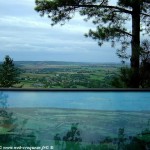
(67,61)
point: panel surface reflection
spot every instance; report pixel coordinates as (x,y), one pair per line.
(75,120)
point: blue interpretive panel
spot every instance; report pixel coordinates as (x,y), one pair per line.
(74,119)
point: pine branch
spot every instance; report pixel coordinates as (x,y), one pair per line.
(124,32)
(105,6)
(147,15)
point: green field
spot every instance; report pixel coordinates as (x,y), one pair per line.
(45,74)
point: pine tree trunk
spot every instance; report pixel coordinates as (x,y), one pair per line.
(135,44)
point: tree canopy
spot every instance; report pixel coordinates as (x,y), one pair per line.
(8,73)
(121,22)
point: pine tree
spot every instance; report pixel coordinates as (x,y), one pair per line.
(8,73)
(112,22)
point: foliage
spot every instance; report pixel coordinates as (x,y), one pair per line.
(126,75)
(8,73)
(145,64)
(72,139)
(124,79)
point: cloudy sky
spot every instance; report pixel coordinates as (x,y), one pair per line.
(24,35)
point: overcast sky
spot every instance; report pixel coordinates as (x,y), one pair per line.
(24,35)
